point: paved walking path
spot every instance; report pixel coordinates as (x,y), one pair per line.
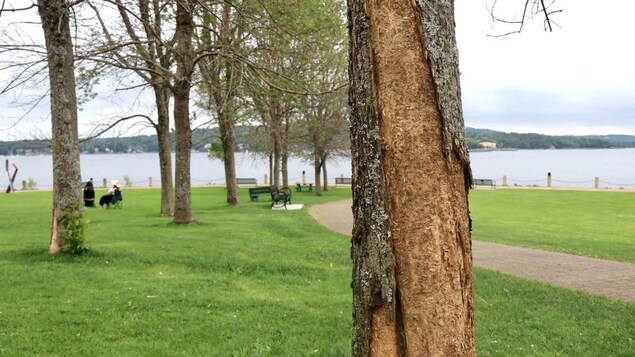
(596,276)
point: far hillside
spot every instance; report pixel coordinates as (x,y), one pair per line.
(479,139)
(476,139)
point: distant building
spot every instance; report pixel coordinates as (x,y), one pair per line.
(488,144)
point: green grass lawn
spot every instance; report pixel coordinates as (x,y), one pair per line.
(595,224)
(244,281)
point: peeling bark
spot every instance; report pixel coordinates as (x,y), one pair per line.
(411,246)
(65,146)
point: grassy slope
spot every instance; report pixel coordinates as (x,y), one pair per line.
(246,281)
(595,224)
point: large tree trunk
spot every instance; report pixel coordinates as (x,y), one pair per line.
(182,86)
(165,151)
(412,266)
(66,171)
(228,138)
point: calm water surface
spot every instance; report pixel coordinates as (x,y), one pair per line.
(569,168)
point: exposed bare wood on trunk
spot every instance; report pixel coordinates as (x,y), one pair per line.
(66,171)
(412,277)
(184,57)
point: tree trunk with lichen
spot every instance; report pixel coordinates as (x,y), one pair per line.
(184,56)
(66,171)
(411,245)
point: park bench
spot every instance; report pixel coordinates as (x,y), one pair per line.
(278,197)
(484,182)
(246,181)
(257,191)
(343,180)
(299,186)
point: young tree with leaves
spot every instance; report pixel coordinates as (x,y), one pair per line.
(135,42)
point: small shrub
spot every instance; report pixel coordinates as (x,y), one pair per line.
(75,233)
(127,181)
(31,184)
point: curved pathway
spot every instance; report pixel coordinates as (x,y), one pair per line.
(596,276)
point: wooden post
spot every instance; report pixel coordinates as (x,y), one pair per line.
(23,185)
(150,181)
(303,177)
(596,182)
(10,188)
(105,183)
(504,180)
(548,179)
(266,181)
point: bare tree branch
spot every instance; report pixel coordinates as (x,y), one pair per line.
(530,9)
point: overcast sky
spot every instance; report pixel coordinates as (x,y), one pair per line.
(578,79)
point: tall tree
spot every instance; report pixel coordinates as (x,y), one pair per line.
(411,245)
(220,82)
(134,44)
(185,62)
(67,217)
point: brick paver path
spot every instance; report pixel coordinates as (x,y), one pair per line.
(596,276)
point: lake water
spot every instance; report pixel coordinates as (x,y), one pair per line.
(569,168)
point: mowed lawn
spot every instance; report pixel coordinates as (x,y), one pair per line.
(244,281)
(590,223)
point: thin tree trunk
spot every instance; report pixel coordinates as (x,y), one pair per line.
(165,151)
(285,168)
(276,161)
(271,168)
(228,138)
(325,176)
(317,166)
(182,86)
(285,154)
(412,266)
(66,170)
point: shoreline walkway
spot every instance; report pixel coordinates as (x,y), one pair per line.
(607,278)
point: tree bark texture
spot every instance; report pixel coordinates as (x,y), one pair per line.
(411,246)
(317,173)
(228,138)
(66,170)
(165,151)
(184,56)
(325,178)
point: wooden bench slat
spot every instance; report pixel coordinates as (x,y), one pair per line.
(484,182)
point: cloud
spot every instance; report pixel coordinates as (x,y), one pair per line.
(518,109)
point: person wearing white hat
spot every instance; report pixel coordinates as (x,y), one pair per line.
(107,198)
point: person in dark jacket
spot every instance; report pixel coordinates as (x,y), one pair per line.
(89,194)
